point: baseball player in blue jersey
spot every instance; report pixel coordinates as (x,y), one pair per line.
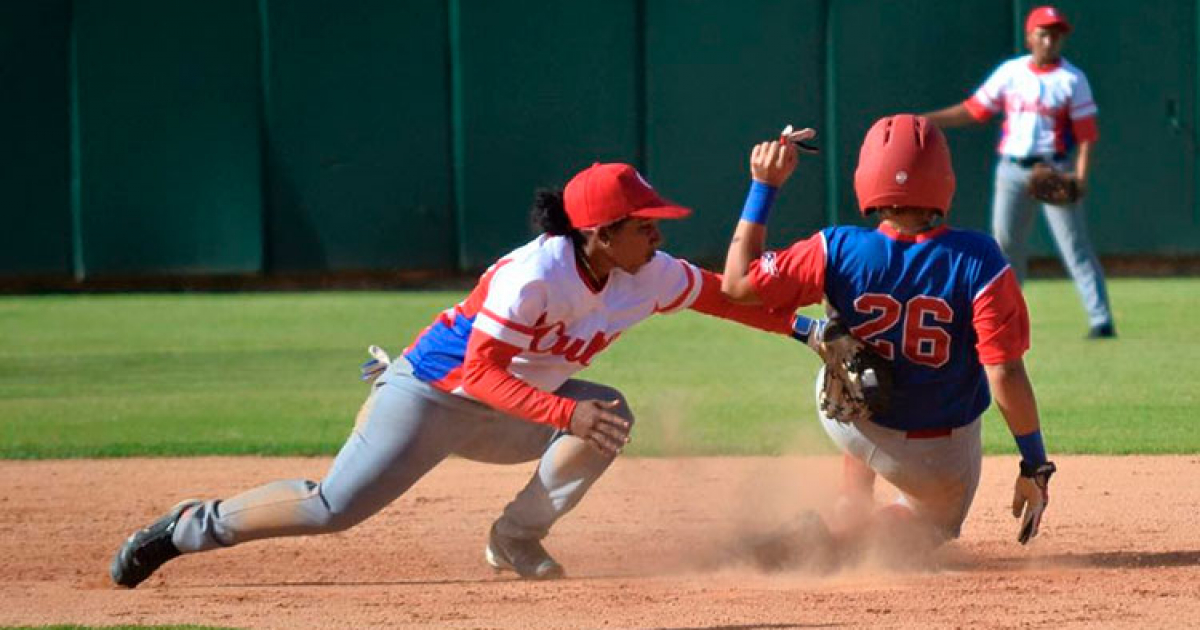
(942,305)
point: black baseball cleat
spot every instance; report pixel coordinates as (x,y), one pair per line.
(147,549)
(525,556)
(1103,331)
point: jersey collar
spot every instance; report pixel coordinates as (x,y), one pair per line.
(896,235)
(1047,69)
(584,276)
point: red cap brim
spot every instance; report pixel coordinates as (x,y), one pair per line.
(662,212)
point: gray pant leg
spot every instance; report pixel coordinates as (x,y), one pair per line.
(1069,227)
(937,477)
(408,428)
(566,471)
(1012,215)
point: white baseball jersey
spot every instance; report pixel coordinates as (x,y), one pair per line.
(1048,110)
(536,299)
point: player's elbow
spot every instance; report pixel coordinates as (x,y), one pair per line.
(473,377)
(1006,372)
(738,290)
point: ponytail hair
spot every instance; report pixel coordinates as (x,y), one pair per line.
(549,215)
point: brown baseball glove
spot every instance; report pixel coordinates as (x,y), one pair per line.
(1049,185)
(858,382)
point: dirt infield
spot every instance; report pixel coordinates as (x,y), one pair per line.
(648,548)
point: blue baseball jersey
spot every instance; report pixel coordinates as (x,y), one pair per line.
(939,305)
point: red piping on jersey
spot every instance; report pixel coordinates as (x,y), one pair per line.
(521,328)
(1046,69)
(929,235)
(687,290)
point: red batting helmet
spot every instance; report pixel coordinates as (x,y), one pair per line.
(904,161)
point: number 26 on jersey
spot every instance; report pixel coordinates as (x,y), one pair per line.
(923,341)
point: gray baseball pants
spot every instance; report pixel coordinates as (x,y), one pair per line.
(1012,222)
(937,477)
(405,428)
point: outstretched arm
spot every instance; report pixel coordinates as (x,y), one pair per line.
(1001,324)
(1014,396)
(711,301)
(953,116)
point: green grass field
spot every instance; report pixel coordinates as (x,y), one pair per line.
(189,374)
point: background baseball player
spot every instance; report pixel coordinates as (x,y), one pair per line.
(489,380)
(941,304)
(1049,111)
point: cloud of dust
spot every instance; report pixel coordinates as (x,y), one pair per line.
(769,516)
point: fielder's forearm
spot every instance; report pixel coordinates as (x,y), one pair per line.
(1083,161)
(712,301)
(953,116)
(486,378)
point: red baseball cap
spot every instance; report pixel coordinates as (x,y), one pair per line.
(1046,16)
(606,193)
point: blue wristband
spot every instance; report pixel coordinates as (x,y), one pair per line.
(803,328)
(758,203)
(1033,451)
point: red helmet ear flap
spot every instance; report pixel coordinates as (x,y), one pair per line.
(904,161)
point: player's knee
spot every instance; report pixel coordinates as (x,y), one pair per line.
(340,521)
(622,409)
(333,516)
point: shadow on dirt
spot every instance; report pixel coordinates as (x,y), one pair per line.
(1126,559)
(1095,560)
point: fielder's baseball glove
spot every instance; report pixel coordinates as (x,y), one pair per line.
(1052,186)
(858,382)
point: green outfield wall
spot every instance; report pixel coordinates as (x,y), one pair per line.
(35,202)
(283,137)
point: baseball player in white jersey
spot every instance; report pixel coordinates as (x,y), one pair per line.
(1049,111)
(489,380)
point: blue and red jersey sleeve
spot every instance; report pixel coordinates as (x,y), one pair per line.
(788,279)
(1001,320)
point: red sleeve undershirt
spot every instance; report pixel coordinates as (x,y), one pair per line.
(486,377)
(792,278)
(977,110)
(711,301)
(1085,129)
(1001,321)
